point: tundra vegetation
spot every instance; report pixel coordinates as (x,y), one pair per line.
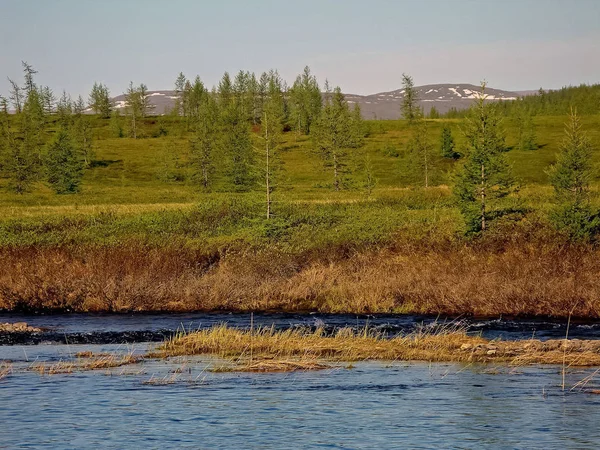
(255,195)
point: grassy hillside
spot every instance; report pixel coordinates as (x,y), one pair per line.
(128,171)
(133,241)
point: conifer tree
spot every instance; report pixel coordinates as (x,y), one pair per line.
(447,144)
(81,135)
(116,125)
(204,143)
(485,176)
(526,132)
(434,113)
(570,176)
(180,83)
(306,102)
(335,134)
(271,129)
(143,98)
(63,166)
(64,110)
(16,96)
(410,107)
(134,108)
(421,149)
(48,100)
(99,100)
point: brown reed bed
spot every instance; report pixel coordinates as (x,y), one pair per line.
(514,279)
(266,350)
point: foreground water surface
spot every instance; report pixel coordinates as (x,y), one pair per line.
(180,403)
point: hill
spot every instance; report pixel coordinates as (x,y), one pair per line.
(382,105)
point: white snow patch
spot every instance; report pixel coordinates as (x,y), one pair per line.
(350,101)
(455,91)
(154,94)
(429,91)
(121,104)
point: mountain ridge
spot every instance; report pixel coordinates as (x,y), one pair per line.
(381,105)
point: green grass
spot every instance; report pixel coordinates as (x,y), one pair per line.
(123,197)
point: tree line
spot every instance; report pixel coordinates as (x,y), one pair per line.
(235,128)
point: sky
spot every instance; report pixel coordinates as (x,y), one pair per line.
(362,46)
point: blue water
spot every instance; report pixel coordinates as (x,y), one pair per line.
(372,405)
(118,328)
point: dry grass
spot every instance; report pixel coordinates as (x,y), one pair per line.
(268,350)
(85,361)
(517,279)
(5,369)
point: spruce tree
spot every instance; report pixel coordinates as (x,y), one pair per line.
(485,176)
(64,167)
(447,144)
(570,176)
(410,107)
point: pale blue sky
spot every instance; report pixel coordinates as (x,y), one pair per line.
(363,46)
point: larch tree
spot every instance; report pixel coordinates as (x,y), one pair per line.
(16,96)
(485,176)
(305,102)
(99,100)
(180,83)
(571,176)
(134,108)
(235,136)
(421,149)
(334,135)
(527,139)
(410,100)
(204,143)
(273,115)
(18,151)
(48,100)
(81,134)
(116,124)
(64,167)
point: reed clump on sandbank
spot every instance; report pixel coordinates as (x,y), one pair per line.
(269,350)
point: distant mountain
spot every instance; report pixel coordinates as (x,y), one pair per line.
(384,105)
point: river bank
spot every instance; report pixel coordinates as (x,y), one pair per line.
(515,279)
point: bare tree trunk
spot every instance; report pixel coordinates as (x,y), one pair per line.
(482,197)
